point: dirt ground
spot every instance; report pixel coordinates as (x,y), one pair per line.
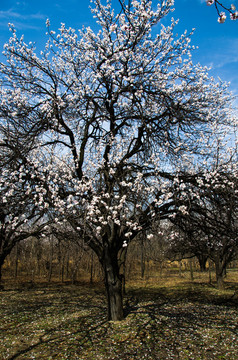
(173,320)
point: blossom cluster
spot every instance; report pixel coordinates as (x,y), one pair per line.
(108,116)
(222,15)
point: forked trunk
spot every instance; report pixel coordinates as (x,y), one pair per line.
(113,285)
(202,262)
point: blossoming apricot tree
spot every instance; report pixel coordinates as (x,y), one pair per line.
(109,115)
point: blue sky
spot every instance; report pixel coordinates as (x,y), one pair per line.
(218,43)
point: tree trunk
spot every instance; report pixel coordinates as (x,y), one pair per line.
(220,281)
(1,264)
(191,269)
(62,271)
(210,271)
(113,286)
(3,256)
(122,267)
(67,264)
(50,263)
(123,279)
(91,268)
(220,271)
(16,261)
(202,262)
(142,258)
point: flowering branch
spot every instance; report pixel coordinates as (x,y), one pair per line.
(222,15)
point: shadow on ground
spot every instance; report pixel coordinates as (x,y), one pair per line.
(191,321)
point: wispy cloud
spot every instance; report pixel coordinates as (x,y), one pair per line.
(20,21)
(226,54)
(9,14)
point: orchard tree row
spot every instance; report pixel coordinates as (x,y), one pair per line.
(51,260)
(105,134)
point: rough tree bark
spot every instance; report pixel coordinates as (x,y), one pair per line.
(113,284)
(1,264)
(3,256)
(220,267)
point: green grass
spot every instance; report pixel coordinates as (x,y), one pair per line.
(170,319)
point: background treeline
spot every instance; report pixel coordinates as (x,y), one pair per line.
(54,260)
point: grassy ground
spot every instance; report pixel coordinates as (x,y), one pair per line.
(170,318)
